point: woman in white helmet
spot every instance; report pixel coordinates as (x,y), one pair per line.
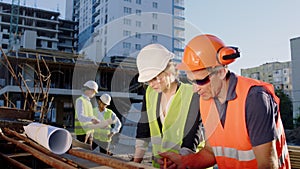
(170,116)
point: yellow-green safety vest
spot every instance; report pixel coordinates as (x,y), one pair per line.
(88,111)
(173,126)
(102,134)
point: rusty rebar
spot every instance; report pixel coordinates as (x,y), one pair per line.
(106,160)
(41,156)
(41,148)
(13,162)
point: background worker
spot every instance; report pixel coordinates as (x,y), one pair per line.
(103,136)
(240,115)
(84,113)
(170,111)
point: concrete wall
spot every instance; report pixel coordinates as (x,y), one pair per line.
(295,55)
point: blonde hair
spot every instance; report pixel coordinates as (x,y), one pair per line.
(171,69)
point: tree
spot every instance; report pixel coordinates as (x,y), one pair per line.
(286,109)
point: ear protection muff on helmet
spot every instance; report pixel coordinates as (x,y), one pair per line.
(227,54)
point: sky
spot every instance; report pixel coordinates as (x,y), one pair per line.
(262,29)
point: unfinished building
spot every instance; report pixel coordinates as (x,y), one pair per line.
(45,64)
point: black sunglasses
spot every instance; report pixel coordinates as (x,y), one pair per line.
(203,81)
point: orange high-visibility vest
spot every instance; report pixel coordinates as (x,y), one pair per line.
(231,144)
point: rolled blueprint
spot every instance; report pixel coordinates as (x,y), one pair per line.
(102,124)
(55,139)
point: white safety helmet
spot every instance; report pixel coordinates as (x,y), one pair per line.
(152,60)
(105,98)
(92,85)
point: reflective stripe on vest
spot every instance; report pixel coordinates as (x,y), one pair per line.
(102,134)
(281,158)
(240,155)
(174,123)
(79,128)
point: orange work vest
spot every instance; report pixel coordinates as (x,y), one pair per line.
(231,144)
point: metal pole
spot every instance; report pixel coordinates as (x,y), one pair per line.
(15,163)
(43,157)
(107,161)
(40,148)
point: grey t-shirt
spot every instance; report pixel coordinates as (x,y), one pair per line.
(261,112)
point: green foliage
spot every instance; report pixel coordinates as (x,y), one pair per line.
(286,109)
(297,121)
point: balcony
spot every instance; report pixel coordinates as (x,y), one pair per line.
(96,13)
(96,23)
(96,3)
(179,3)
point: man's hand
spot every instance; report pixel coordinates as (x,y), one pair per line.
(95,121)
(173,160)
(110,135)
(110,121)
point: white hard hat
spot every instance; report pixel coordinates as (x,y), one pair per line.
(92,85)
(105,98)
(152,60)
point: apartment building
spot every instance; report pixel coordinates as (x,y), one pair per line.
(295,55)
(123,27)
(277,73)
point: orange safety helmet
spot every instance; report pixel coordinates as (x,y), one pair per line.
(205,51)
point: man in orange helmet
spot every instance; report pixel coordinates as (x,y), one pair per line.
(240,115)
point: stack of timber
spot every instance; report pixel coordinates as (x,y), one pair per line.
(18,151)
(14,118)
(294,152)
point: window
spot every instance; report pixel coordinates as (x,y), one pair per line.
(138,46)
(138,23)
(138,2)
(154,15)
(138,12)
(4,46)
(5,36)
(154,5)
(154,27)
(127,21)
(126,45)
(154,38)
(127,10)
(49,45)
(137,35)
(127,0)
(126,33)
(1,102)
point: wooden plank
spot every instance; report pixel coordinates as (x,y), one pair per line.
(18,155)
(294,152)
(13,124)
(84,163)
(12,113)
